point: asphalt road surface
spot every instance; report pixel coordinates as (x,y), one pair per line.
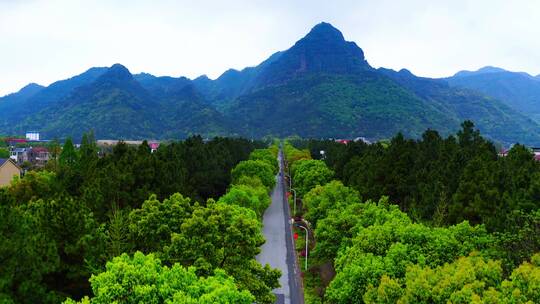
(278,251)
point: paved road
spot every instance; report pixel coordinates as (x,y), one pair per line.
(278,249)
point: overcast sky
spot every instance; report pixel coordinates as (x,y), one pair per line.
(49,40)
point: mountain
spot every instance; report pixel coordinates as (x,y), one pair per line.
(111,106)
(24,93)
(322,86)
(14,99)
(186,113)
(231,84)
(495,119)
(518,90)
(115,104)
(335,106)
(160,87)
(481,71)
(16,107)
(322,50)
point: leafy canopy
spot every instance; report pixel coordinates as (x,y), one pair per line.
(143,279)
(255,168)
(307,174)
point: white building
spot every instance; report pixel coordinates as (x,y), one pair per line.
(32,135)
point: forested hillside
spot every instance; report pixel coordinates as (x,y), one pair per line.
(520,91)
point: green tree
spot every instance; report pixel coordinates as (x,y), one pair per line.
(144,172)
(228,237)
(388,248)
(151,226)
(307,174)
(69,174)
(27,256)
(255,168)
(4,153)
(336,231)
(80,241)
(254,198)
(88,156)
(118,234)
(523,286)
(519,240)
(68,156)
(466,280)
(321,199)
(267,156)
(34,185)
(341,224)
(471,279)
(293,155)
(143,279)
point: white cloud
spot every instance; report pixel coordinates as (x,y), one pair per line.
(46,40)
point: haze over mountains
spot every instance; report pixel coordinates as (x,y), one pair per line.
(320,87)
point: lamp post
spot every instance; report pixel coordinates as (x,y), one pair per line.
(307,240)
(294,202)
(290,179)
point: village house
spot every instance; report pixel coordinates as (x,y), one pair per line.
(536,152)
(19,155)
(8,170)
(38,156)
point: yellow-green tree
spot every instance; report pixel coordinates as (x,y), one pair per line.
(143,279)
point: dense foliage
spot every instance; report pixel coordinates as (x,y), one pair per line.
(309,173)
(388,246)
(254,197)
(445,180)
(432,220)
(470,279)
(260,169)
(143,279)
(423,221)
(61,225)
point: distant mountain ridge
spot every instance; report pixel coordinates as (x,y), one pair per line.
(481,71)
(320,87)
(517,90)
(115,104)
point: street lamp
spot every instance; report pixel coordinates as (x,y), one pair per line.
(294,201)
(290,179)
(307,239)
